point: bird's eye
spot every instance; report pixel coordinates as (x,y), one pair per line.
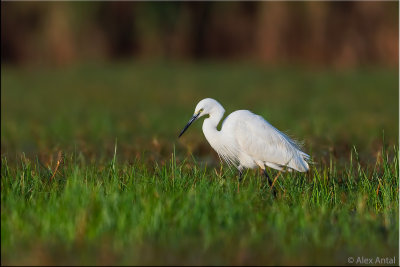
(201,110)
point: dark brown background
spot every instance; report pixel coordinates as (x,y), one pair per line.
(334,34)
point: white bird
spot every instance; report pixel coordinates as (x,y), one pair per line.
(247,140)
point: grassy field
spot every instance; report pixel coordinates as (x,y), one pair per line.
(127,191)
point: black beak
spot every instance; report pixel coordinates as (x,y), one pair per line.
(195,116)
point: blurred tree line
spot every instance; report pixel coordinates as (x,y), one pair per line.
(318,33)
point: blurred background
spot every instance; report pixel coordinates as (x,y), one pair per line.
(348,34)
(79,76)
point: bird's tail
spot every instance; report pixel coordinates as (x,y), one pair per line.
(300,162)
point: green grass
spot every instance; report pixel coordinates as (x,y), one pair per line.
(129,192)
(179,213)
(89,106)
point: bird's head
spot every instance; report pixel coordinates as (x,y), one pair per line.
(206,106)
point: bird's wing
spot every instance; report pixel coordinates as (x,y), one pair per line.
(263,142)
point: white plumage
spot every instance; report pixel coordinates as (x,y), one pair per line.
(246,140)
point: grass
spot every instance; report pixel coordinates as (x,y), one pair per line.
(179,213)
(126,191)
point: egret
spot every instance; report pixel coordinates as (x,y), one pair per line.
(247,140)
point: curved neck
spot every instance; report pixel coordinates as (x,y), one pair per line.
(210,127)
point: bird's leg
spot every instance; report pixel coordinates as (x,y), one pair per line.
(269,182)
(240,178)
(268,178)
